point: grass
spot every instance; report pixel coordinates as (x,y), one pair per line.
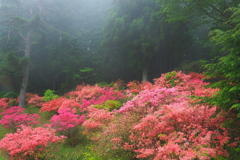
(3,132)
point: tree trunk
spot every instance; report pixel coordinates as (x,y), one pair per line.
(145,74)
(23,89)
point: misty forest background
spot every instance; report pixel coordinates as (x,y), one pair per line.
(57,50)
(65,43)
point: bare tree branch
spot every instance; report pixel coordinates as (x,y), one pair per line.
(9,32)
(226,3)
(20,33)
(217,9)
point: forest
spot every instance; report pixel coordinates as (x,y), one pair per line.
(120,79)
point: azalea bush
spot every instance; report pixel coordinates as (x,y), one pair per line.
(88,95)
(135,87)
(82,97)
(30,143)
(163,121)
(4,103)
(14,116)
(34,100)
(180,131)
(97,121)
(150,100)
(85,92)
(59,103)
(68,123)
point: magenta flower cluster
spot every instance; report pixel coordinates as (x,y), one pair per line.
(14,117)
(66,118)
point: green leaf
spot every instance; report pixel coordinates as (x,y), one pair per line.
(236,106)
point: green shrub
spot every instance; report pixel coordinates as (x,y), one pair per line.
(49,95)
(109,105)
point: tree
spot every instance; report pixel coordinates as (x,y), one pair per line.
(76,46)
(227,67)
(26,26)
(215,12)
(140,38)
(53,34)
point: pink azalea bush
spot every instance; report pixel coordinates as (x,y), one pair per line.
(179,131)
(135,87)
(34,100)
(68,123)
(97,120)
(4,103)
(30,143)
(59,103)
(162,121)
(66,118)
(191,83)
(90,95)
(14,116)
(85,92)
(84,96)
(149,100)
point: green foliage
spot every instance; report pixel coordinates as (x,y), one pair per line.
(93,153)
(171,78)
(226,70)
(90,154)
(227,67)
(138,38)
(211,10)
(74,136)
(10,94)
(109,105)
(49,95)
(3,132)
(70,153)
(191,66)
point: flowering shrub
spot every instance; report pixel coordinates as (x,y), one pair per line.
(53,105)
(111,139)
(162,122)
(34,100)
(91,95)
(177,132)
(67,118)
(85,92)
(59,103)
(97,120)
(67,123)
(135,87)
(85,95)
(14,117)
(29,143)
(106,94)
(150,100)
(4,103)
(190,84)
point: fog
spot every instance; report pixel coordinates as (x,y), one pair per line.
(58,44)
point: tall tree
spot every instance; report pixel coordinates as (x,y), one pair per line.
(216,12)
(227,67)
(140,37)
(68,53)
(23,18)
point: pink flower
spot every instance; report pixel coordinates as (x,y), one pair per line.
(28,142)
(14,117)
(67,118)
